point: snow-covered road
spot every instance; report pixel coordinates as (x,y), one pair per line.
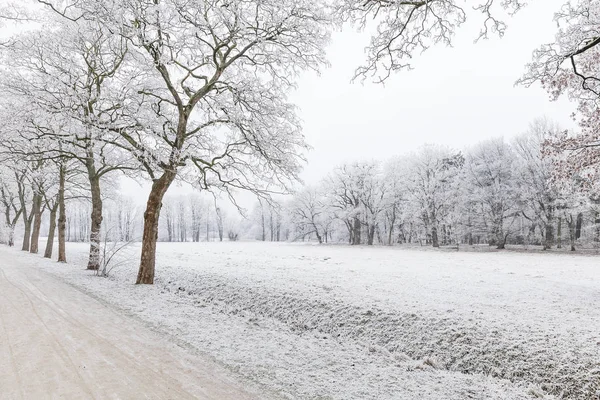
(58,343)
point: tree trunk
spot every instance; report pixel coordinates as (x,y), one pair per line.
(500,239)
(371,235)
(434,237)
(392,221)
(27,220)
(150,232)
(96,223)
(62,216)
(579,226)
(559,234)
(11,236)
(549,235)
(51,231)
(356,231)
(37,224)
(319,238)
(572,231)
(264,233)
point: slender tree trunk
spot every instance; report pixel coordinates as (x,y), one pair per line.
(572,231)
(559,233)
(96,223)
(11,236)
(549,235)
(37,224)
(62,216)
(356,239)
(319,238)
(371,235)
(434,237)
(51,231)
(28,220)
(579,226)
(264,233)
(500,238)
(150,232)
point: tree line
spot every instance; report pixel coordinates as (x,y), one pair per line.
(495,192)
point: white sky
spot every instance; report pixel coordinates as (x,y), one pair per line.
(454,96)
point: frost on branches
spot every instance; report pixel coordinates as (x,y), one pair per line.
(406,28)
(570,66)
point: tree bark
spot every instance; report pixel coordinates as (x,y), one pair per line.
(371,235)
(150,232)
(572,231)
(434,237)
(549,235)
(27,220)
(37,224)
(62,216)
(51,231)
(579,226)
(96,220)
(356,231)
(559,234)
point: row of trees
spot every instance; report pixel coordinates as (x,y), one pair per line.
(166,90)
(495,192)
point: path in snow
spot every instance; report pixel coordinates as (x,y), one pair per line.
(57,342)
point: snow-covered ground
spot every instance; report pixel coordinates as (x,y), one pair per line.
(339,322)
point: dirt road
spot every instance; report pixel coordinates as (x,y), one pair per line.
(58,343)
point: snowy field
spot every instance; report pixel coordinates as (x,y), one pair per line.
(339,322)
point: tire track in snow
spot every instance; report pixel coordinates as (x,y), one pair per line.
(10,350)
(57,346)
(134,365)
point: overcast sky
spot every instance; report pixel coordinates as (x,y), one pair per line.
(454,96)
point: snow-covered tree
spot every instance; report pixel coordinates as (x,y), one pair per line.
(210,81)
(490,175)
(535,176)
(310,213)
(569,66)
(430,177)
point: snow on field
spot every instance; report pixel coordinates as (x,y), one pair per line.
(339,322)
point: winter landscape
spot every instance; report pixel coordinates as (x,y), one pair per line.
(261,199)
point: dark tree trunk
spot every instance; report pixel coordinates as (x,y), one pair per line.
(37,224)
(501,240)
(579,226)
(597,226)
(434,237)
(264,232)
(150,232)
(51,231)
(371,235)
(572,231)
(391,228)
(319,238)
(549,235)
(96,223)
(11,236)
(356,231)
(559,234)
(62,216)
